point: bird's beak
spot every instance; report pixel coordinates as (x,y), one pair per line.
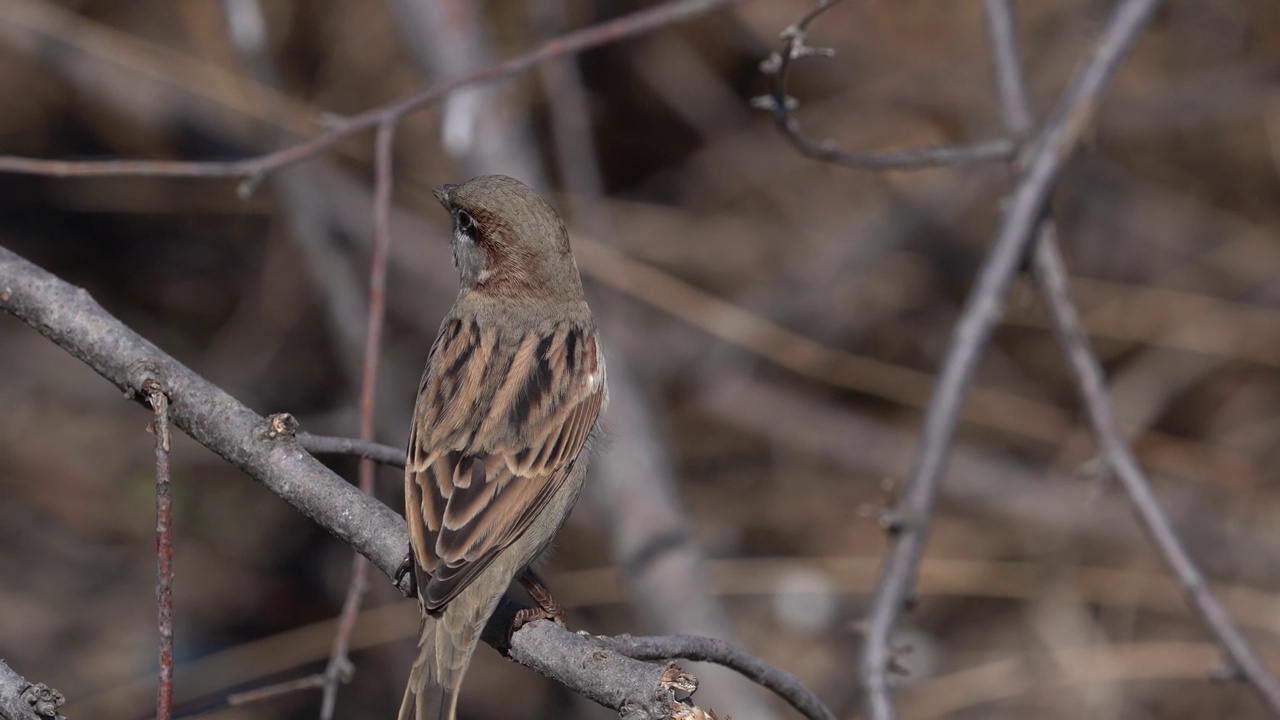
(444,194)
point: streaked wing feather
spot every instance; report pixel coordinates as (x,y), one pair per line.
(477,485)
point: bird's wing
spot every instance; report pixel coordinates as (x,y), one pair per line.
(493,438)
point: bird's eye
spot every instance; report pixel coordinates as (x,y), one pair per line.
(464,224)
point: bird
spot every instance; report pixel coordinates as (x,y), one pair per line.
(506,411)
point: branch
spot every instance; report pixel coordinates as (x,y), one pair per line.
(643,689)
(1042,163)
(253,169)
(721,652)
(778,66)
(1090,384)
(267,450)
(331,445)
(484,129)
(1015,108)
(159,402)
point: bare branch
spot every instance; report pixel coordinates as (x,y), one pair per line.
(721,652)
(778,66)
(330,445)
(159,403)
(616,681)
(264,448)
(1049,153)
(1090,384)
(1015,108)
(486,129)
(253,169)
(271,692)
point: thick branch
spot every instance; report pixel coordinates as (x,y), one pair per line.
(266,449)
(633,687)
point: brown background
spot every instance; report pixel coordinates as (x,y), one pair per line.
(1039,597)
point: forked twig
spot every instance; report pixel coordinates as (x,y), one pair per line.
(782,105)
(1041,162)
(1090,385)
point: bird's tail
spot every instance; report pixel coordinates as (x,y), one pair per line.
(446,642)
(432,692)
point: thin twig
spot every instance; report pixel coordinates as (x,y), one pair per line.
(272,692)
(1090,384)
(340,668)
(783,106)
(159,403)
(333,445)
(1015,108)
(487,129)
(253,169)
(981,313)
(721,652)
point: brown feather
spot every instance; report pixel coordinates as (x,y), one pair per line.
(477,491)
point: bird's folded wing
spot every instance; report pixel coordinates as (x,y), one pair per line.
(480,473)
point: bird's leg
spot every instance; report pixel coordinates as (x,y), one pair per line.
(547,609)
(404,568)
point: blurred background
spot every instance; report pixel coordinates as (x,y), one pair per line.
(773,325)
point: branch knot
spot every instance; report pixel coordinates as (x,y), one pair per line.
(44,700)
(145,380)
(281,425)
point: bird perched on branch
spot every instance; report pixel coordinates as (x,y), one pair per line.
(507,405)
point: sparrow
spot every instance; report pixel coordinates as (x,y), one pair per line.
(508,404)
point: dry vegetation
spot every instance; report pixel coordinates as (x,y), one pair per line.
(780,320)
